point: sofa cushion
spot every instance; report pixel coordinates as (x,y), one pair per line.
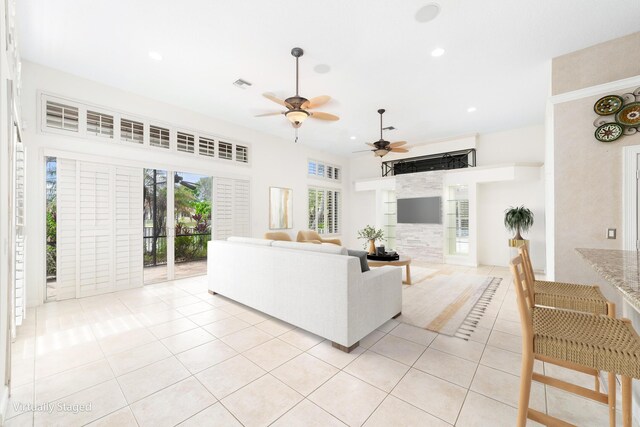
(362,256)
(323,248)
(250,241)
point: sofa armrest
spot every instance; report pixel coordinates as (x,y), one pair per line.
(374,300)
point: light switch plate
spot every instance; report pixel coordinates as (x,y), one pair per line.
(611,233)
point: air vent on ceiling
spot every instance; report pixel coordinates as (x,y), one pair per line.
(242,84)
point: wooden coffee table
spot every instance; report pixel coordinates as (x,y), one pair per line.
(403,261)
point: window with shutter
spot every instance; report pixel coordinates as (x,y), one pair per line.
(99,124)
(61,116)
(206,147)
(330,172)
(312,168)
(159,137)
(336,173)
(324,210)
(225,150)
(232,208)
(131,131)
(185,142)
(242,154)
(320,171)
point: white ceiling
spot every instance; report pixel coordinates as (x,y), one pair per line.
(497,58)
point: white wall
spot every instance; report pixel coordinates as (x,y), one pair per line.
(274,162)
(522,145)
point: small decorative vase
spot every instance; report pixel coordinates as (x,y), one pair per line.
(372,247)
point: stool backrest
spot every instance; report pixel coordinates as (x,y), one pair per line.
(523,250)
(524,292)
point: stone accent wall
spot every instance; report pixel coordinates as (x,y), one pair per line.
(422,242)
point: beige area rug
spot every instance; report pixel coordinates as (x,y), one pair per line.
(447,304)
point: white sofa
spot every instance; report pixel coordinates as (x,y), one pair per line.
(315,287)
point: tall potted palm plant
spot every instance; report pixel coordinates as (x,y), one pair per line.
(518,219)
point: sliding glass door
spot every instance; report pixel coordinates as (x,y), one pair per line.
(177,224)
(192,223)
(155,226)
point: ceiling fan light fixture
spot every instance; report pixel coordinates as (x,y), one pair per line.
(296,116)
(380,152)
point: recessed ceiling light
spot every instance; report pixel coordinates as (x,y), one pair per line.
(155,55)
(471,109)
(352,137)
(437,52)
(322,68)
(427,13)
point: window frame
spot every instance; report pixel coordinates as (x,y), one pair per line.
(321,170)
(336,216)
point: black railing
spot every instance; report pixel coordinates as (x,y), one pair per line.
(441,161)
(188,247)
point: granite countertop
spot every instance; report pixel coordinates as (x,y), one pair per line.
(618,267)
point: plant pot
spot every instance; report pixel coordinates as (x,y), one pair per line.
(372,247)
(514,243)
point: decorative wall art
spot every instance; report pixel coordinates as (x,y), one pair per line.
(280,208)
(619,115)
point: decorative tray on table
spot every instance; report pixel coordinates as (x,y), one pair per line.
(388,256)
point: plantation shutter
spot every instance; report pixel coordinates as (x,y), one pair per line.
(67,230)
(19,215)
(223,208)
(99,231)
(61,116)
(241,208)
(231,208)
(128,227)
(95,245)
(186,142)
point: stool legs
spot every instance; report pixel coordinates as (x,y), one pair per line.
(626,401)
(525,388)
(612,399)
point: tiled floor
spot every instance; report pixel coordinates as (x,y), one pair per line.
(172,353)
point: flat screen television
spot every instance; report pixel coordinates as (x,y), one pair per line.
(420,210)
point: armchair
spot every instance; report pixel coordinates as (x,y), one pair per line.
(310,236)
(277,235)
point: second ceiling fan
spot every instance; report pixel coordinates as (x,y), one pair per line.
(381,147)
(297,106)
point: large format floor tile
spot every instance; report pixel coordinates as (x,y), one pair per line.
(173,404)
(261,402)
(433,395)
(142,359)
(228,376)
(357,399)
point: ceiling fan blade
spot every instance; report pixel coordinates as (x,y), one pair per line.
(360,151)
(277,113)
(316,101)
(371,144)
(399,150)
(397,144)
(323,116)
(275,99)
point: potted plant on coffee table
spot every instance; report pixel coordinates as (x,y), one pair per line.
(371,234)
(518,219)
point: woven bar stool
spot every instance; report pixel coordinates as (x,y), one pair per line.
(579,341)
(570,296)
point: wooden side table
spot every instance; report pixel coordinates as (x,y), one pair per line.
(403,261)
